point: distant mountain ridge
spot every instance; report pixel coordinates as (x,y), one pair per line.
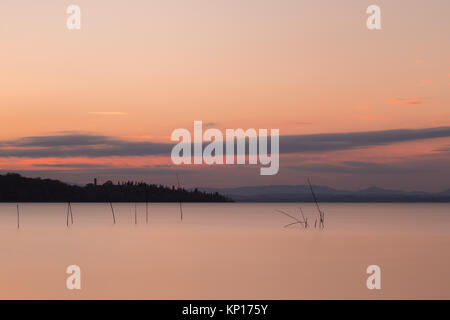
(302,193)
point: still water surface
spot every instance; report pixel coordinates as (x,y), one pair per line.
(224,251)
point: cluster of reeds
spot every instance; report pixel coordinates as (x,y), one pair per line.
(304,220)
(321,213)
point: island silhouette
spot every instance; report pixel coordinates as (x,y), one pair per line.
(16,188)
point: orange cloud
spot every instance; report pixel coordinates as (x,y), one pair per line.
(406,101)
(424,83)
(107,113)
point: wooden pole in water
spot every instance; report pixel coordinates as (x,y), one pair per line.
(71,214)
(67,215)
(135,213)
(112,210)
(181,206)
(146,212)
(18,217)
(181,211)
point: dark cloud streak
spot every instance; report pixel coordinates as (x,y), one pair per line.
(94,146)
(352,140)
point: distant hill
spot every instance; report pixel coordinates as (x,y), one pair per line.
(15,188)
(302,193)
(445,192)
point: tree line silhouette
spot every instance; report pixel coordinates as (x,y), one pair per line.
(15,188)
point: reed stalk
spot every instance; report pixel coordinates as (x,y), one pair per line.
(321,213)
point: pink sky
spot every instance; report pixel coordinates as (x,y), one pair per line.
(138,71)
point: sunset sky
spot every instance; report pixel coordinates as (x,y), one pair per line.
(103,101)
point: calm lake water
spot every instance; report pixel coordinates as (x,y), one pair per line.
(344,217)
(224,251)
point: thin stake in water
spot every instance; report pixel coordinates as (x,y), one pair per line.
(18,217)
(112,211)
(69,212)
(181,206)
(67,215)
